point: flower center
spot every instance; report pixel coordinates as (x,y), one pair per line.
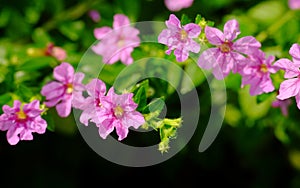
(225,47)
(69,88)
(264,68)
(183,35)
(118,111)
(21,115)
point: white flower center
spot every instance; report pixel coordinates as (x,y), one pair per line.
(69,88)
(264,68)
(183,35)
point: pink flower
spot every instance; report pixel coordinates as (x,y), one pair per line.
(94,15)
(117,43)
(21,121)
(180,38)
(120,113)
(257,73)
(294,4)
(56,52)
(283,105)
(291,86)
(177,5)
(228,55)
(60,93)
(92,105)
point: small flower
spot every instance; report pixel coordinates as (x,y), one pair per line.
(117,43)
(228,55)
(294,4)
(177,5)
(180,38)
(257,73)
(21,121)
(94,15)
(92,105)
(283,105)
(61,92)
(291,86)
(56,52)
(120,113)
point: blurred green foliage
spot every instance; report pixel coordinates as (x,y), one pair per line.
(257,146)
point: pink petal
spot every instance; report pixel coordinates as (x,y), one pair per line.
(53,90)
(64,108)
(96,88)
(40,125)
(176,5)
(16,107)
(122,131)
(295,52)
(247,45)
(125,56)
(133,119)
(120,20)
(173,22)
(214,35)
(231,30)
(105,128)
(294,4)
(207,59)
(291,70)
(26,135)
(100,33)
(193,30)
(64,73)
(289,88)
(32,109)
(77,82)
(181,55)
(298,100)
(12,135)
(193,46)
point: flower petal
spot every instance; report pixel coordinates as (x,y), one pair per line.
(64,107)
(122,131)
(193,30)
(100,33)
(173,22)
(231,30)
(214,35)
(64,73)
(295,52)
(133,119)
(291,70)
(247,45)
(12,134)
(120,20)
(289,88)
(207,59)
(105,128)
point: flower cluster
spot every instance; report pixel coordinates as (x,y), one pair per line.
(229,54)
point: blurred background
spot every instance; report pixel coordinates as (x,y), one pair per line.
(257,146)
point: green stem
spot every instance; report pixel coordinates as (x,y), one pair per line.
(262,36)
(70,14)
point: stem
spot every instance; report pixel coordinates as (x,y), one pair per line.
(262,36)
(69,14)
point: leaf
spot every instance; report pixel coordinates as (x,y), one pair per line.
(185,19)
(50,122)
(155,106)
(131,8)
(24,92)
(198,19)
(72,30)
(267,12)
(263,97)
(140,98)
(5,98)
(39,36)
(36,63)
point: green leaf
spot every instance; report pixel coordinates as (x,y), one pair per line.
(50,122)
(5,98)
(267,12)
(24,92)
(39,36)
(72,30)
(155,106)
(140,98)
(131,8)
(198,19)
(36,63)
(263,97)
(185,19)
